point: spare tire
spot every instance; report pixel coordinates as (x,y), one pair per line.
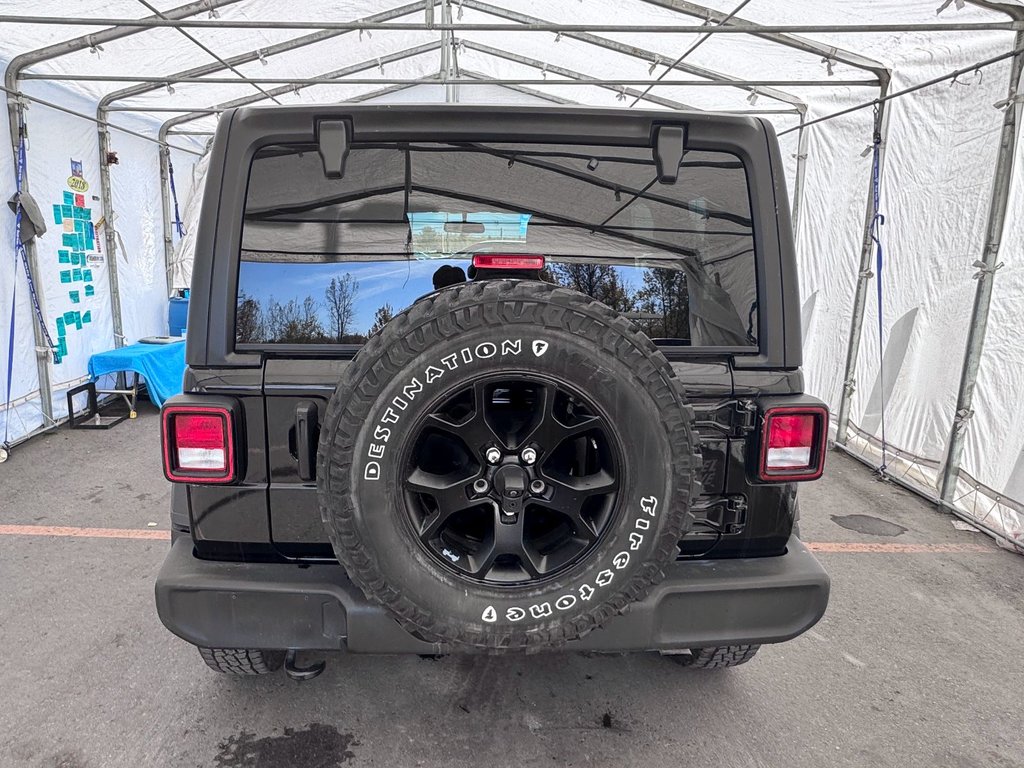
(507,465)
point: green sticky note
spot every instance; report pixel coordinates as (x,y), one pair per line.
(76,258)
(88,213)
(63,257)
(69,318)
(78,320)
(75,297)
(67,212)
(62,346)
(90,291)
(76,275)
(65,275)
(69,199)
(79,225)
(90,244)
(87,317)
(69,240)
(60,326)
(58,218)
(87,275)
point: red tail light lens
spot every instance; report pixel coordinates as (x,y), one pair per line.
(793,443)
(508,261)
(198,445)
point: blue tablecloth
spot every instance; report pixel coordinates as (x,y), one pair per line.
(162,366)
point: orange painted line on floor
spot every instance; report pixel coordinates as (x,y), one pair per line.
(84,533)
(868,547)
(815,546)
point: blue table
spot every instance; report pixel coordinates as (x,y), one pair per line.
(161,365)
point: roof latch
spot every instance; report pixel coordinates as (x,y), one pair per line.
(333,140)
(668,152)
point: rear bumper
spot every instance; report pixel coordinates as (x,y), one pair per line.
(272,606)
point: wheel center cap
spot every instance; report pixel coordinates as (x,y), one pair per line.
(511,482)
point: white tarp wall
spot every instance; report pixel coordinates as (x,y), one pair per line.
(940,158)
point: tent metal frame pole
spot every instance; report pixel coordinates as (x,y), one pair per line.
(572,77)
(164,81)
(110,236)
(880,134)
(446,53)
(474,75)
(43,352)
(742,28)
(985,276)
(634,52)
(801,170)
(725,23)
(330,78)
(165,216)
(245,58)
(18,123)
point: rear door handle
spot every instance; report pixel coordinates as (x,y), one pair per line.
(307,434)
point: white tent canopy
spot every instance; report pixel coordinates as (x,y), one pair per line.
(153,75)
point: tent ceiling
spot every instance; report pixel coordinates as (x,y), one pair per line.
(829,61)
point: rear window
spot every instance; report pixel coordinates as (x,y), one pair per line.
(329,261)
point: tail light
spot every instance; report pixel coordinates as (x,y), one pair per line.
(508,261)
(793,443)
(198,444)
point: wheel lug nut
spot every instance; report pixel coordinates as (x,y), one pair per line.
(481,486)
(529,455)
(537,487)
(493,455)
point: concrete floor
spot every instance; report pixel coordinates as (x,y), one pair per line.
(918,661)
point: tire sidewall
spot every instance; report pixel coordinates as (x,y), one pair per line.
(640,405)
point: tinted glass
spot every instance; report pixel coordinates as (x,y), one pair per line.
(331,260)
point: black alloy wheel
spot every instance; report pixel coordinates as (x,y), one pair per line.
(512,479)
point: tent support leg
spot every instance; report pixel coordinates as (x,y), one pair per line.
(165,215)
(801,168)
(880,132)
(985,277)
(16,111)
(110,238)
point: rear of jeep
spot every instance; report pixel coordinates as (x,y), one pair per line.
(471,379)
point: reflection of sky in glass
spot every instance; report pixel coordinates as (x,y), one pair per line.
(398,283)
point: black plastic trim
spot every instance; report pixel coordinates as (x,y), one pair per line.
(699,604)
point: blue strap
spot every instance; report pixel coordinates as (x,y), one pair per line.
(178,225)
(19,250)
(877,222)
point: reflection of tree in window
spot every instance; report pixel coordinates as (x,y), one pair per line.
(428,240)
(340,296)
(249,325)
(295,323)
(664,293)
(599,281)
(382,317)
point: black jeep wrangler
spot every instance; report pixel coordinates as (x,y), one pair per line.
(470,379)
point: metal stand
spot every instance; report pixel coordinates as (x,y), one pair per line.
(92,419)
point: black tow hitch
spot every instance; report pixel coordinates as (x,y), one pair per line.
(295,672)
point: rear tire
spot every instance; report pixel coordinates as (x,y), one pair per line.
(242,661)
(717,658)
